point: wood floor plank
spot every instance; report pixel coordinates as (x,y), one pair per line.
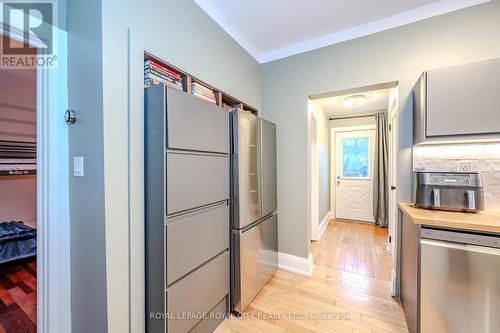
(18,296)
(350,280)
(24,321)
(24,302)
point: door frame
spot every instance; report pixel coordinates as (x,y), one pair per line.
(333,160)
(52,178)
(393,120)
(314,176)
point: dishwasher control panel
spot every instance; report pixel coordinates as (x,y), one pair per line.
(461,237)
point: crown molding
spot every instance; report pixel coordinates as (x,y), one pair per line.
(390,22)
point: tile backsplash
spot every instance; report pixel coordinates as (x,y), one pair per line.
(484,158)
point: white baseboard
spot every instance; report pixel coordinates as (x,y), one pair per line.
(322,227)
(297,265)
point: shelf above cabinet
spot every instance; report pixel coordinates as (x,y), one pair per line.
(222,99)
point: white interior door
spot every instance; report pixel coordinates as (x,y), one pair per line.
(354,175)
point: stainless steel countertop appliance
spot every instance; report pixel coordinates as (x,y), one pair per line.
(453,191)
(253,201)
(459,281)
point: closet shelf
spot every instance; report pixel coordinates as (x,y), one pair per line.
(222,99)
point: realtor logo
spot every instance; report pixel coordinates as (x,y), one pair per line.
(27,30)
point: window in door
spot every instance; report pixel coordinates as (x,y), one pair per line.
(355,157)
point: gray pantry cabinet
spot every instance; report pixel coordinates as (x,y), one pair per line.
(187,212)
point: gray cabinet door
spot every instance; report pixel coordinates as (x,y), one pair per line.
(464,99)
(268,162)
(194,238)
(196,180)
(197,293)
(195,124)
(410,256)
(213,320)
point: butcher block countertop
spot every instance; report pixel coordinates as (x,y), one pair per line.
(486,221)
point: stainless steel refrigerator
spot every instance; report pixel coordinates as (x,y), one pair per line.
(254,221)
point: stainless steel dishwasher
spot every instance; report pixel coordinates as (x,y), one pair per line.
(459,282)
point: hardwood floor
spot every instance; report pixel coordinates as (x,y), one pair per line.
(355,247)
(347,292)
(18,297)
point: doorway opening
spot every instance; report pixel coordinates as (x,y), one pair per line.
(18,199)
(34,190)
(361,136)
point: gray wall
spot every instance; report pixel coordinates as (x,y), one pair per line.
(88,262)
(182,34)
(399,54)
(324,168)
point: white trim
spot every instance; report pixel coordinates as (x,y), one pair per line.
(393,115)
(313,194)
(390,22)
(297,265)
(398,20)
(53,231)
(336,130)
(322,227)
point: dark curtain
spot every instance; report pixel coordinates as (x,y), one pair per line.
(381,171)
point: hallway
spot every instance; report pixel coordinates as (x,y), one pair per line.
(354,247)
(347,292)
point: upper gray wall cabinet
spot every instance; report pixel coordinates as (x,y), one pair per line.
(458,103)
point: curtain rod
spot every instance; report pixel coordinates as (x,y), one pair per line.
(351,117)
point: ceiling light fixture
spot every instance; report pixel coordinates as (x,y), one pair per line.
(354,101)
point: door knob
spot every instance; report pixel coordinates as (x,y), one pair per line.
(393,188)
(70,116)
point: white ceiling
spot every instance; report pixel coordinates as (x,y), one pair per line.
(274,29)
(333,107)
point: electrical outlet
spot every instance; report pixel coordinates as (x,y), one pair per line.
(464,166)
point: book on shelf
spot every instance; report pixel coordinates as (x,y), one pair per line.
(152,79)
(162,78)
(231,106)
(203,92)
(196,87)
(211,96)
(155,73)
(209,99)
(227,106)
(161,74)
(154,64)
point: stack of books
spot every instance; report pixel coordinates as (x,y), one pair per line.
(155,73)
(203,92)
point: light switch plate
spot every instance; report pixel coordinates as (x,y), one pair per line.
(78,166)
